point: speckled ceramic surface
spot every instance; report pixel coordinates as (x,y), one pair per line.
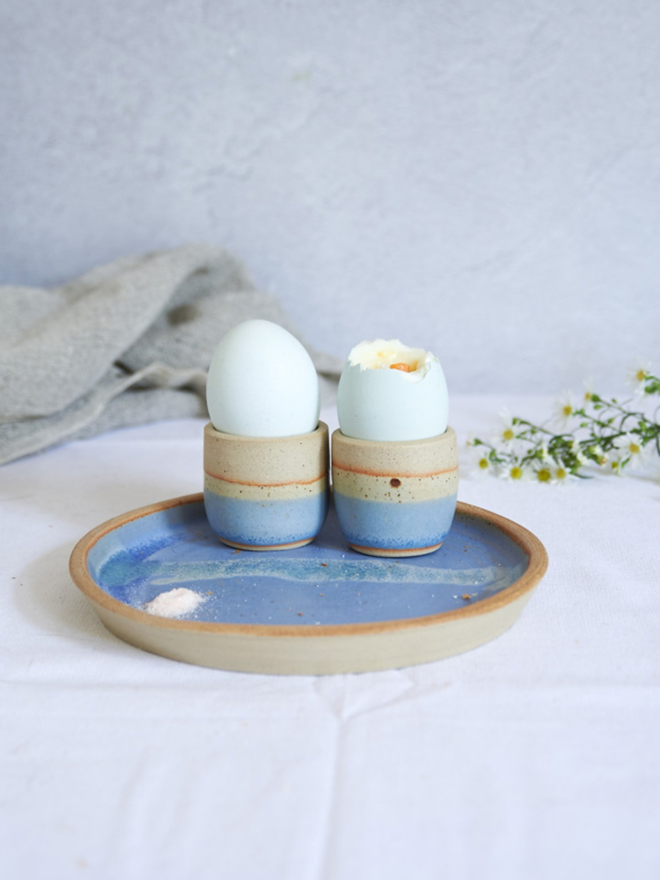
(395,498)
(318,609)
(267,493)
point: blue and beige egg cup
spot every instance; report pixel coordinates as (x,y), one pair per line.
(266,493)
(395,498)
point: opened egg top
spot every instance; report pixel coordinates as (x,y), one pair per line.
(262,383)
(390,391)
(266,455)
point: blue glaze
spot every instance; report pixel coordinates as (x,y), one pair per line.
(322,583)
(266,523)
(384,525)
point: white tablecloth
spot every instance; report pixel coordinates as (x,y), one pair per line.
(535,756)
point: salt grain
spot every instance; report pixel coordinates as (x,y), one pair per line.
(174,603)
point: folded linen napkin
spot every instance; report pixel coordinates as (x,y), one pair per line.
(127,343)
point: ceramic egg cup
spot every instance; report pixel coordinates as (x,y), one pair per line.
(266,493)
(395,498)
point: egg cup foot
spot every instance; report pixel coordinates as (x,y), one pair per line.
(394,553)
(263,547)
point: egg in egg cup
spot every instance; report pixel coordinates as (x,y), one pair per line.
(394,459)
(266,454)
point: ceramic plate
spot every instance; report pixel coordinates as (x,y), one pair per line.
(319,609)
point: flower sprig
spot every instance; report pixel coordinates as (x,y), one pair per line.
(598,431)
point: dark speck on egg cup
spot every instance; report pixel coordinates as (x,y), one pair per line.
(395,498)
(266,493)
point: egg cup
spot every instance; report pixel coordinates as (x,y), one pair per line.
(395,498)
(266,493)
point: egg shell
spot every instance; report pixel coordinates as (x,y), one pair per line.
(262,383)
(386,404)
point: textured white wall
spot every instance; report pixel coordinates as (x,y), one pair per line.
(481,178)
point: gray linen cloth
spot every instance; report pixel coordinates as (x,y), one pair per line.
(124,344)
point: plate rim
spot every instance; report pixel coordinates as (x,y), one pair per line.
(527,540)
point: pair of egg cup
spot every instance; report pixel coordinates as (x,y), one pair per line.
(394,492)
(392,498)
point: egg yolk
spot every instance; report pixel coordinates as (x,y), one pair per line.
(405,368)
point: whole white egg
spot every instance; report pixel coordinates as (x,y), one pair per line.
(262,383)
(389,391)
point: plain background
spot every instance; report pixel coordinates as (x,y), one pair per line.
(478,178)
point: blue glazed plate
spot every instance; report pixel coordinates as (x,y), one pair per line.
(322,608)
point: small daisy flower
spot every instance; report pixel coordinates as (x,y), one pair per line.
(630,450)
(588,391)
(483,466)
(616,465)
(507,432)
(637,376)
(630,443)
(515,472)
(564,408)
(544,475)
(561,475)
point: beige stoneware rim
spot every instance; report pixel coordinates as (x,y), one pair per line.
(530,544)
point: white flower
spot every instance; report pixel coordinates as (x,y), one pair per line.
(616,461)
(629,450)
(483,465)
(515,473)
(544,474)
(561,475)
(507,432)
(588,390)
(637,375)
(563,409)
